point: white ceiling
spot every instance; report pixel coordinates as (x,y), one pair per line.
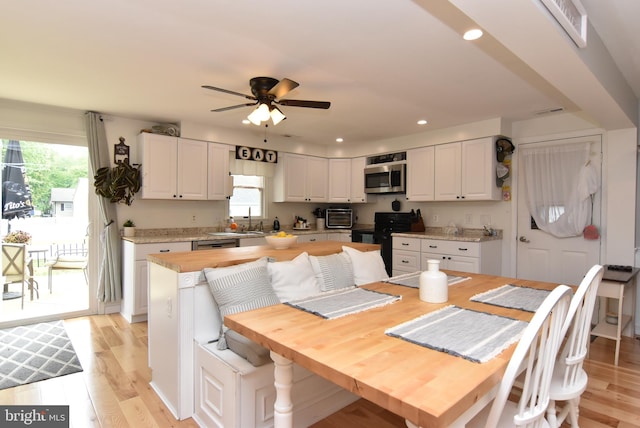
(382,64)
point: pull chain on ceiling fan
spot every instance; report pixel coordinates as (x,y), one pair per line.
(267,92)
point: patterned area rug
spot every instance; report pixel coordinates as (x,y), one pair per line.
(35,352)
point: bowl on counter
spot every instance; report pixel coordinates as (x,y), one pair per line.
(281,242)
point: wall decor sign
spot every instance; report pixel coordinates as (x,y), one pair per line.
(256,155)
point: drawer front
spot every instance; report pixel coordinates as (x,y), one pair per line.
(407,261)
(455,248)
(142,250)
(407,244)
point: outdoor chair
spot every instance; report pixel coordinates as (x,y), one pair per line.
(569,379)
(17,267)
(535,356)
(67,257)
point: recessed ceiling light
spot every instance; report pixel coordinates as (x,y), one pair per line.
(339,140)
(473,34)
(245,121)
(422,122)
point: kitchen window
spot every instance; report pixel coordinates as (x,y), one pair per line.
(248,192)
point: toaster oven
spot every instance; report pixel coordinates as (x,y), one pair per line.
(338,218)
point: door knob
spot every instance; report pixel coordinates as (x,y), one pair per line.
(524,239)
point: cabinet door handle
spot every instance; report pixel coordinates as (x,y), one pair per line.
(433,246)
(165,251)
(462,249)
(405,244)
(405,261)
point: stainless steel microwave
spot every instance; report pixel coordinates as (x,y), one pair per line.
(338,218)
(385,178)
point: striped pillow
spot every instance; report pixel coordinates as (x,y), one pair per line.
(333,272)
(240,288)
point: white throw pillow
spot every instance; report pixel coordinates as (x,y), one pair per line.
(333,271)
(368,266)
(293,279)
(240,288)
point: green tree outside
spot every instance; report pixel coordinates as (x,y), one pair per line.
(49,166)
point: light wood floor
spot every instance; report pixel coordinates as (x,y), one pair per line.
(113,390)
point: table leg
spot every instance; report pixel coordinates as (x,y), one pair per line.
(283,407)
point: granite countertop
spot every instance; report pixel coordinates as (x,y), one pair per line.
(467,235)
(151,236)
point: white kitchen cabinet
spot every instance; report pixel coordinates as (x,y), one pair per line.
(466,170)
(421,174)
(475,257)
(135,273)
(173,168)
(219,184)
(312,237)
(346,180)
(357,180)
(411,255)
(301,178)
(339,180)
(405,257)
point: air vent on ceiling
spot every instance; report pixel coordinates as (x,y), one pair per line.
(549,111)
(571,16)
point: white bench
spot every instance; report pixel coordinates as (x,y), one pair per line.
(230,392)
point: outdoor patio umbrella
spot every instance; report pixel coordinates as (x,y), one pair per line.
(16,196)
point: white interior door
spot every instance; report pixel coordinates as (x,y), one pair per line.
(543,257)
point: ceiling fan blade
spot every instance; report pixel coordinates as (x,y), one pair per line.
(302,103)
(283,87)
(234,107)
(226,91)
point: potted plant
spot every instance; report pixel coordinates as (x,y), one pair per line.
(119,183)
(129,228)
(18,237)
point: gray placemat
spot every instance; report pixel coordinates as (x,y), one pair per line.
(514,297)
(475,336)
(413,279)
(343,302)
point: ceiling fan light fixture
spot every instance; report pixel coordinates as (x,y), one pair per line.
(259,115)
(277,116)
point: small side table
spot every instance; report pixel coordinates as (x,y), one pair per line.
(613,286)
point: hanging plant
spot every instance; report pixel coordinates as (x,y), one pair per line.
(119,183)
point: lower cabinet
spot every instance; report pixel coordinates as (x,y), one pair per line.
(135,290)
(312,237)
(411,254)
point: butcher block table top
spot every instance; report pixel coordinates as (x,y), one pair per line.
(193,261)
(427,387)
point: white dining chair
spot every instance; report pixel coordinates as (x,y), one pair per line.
(569,379)
(535,356)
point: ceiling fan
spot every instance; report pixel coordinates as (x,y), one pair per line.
(267,92)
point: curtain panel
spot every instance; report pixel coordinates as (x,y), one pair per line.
(110,278)
(558,184)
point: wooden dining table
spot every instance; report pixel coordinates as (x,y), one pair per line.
(427,387)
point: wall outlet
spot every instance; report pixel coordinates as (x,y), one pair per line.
(468,218)
(193,218)
(435,218)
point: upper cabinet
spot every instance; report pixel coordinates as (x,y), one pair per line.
(219,185)
(420,174)
(339,180)
(178,168)
(357,180)
(346,180)
(300,178)
(466,170)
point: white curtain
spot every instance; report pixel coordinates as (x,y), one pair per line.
(109,281)
(558,184)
